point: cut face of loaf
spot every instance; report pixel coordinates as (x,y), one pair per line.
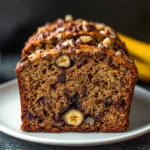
(85,90)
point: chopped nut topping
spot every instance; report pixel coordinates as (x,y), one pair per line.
(90,121)
(63,61)
(118,54)
(45,56)
(74,34)
(39,51)
(49,37)
(60,45)
(84,22)
(79,20)
(68,18)
(41,29)
(78,41)
(102,32)
(78,27)
(129,59)
(32,56)
(59,36)
(60,22)
(110,31)
(85,26)
(107,41)
(86,39)
(65,43)
(40,36)
(45,34)
(71,42)
(61,29)
(102,46)
(99,26)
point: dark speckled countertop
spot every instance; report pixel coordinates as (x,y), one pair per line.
(10,143)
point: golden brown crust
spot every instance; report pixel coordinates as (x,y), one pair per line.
(123,59)
(51,34)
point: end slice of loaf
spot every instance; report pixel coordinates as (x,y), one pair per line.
(85,88)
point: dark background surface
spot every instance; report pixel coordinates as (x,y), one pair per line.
(20,18)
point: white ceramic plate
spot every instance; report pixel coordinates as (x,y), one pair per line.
(10,121)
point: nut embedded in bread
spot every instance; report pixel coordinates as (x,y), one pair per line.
(80,81)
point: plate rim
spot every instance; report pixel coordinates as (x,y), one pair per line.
(137,132)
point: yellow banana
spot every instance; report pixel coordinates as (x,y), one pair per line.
(136,48)
(143,69)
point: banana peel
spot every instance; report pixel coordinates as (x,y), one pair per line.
(136,48)
(140,51)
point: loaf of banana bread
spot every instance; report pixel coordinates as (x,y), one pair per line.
(75,76)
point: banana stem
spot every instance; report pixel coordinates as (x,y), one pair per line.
(144,70)
(137,48)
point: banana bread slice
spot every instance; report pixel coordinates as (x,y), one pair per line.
(85,88)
